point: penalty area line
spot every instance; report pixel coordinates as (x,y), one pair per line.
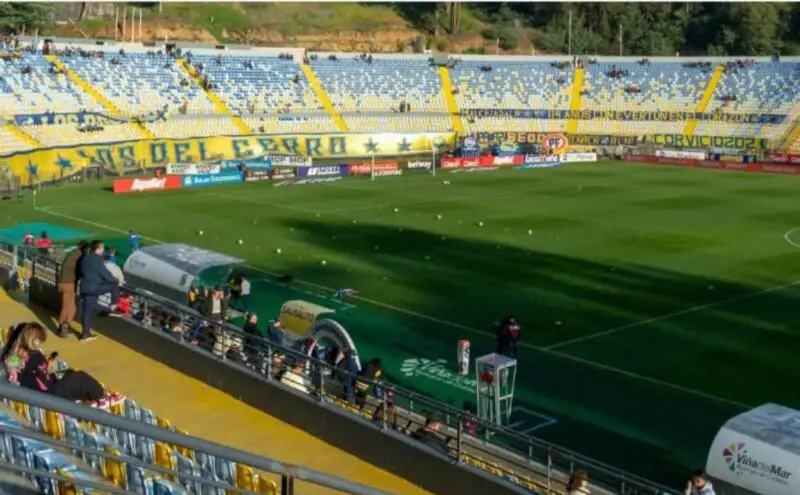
(440,321)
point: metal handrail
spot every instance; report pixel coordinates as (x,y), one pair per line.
(99,416)
(495,438)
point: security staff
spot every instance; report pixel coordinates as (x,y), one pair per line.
(372,372)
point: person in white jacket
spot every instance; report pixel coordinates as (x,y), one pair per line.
(699,485)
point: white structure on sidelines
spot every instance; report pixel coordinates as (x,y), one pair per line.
(495,377)
(757,453)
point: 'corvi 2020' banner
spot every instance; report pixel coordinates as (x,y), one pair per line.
(52,163)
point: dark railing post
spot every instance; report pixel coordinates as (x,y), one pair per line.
(459,439)
(287,485)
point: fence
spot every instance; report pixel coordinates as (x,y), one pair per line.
(133,473)
(515,459)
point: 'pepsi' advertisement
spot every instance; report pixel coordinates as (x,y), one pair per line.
(203,180)
(322,171)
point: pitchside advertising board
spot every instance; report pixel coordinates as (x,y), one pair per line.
(222,179)
(192,169)
(378,168)
(323,171)
(147,184)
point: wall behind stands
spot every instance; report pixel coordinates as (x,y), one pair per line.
(395,453)
(50,163)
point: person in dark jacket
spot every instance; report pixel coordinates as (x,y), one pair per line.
(508,334)
(67,285)
(372,372)
(95,281)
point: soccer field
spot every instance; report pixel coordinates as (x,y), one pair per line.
(656,302)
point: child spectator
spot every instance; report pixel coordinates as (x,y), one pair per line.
(578,483)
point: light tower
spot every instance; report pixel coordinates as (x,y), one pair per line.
(495,378)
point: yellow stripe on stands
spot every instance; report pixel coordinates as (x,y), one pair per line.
(450,101)
(323,97)
(91,91)
(705,100)
(22,135)
(220,105)
(786,142)
(575,98)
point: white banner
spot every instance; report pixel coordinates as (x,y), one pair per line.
(191,169)
(689,155)
(578,157)
(289,161)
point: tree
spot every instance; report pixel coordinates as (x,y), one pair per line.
(14,17)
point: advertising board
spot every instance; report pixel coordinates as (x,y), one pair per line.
(579,157)
(694,155)
(291,161)
(785,158)
(419,164)
(192,169)
(743,167)
(380,168)
(147,184)
(535,159)
(203,180)
(322,171)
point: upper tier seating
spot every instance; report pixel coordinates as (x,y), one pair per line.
(40,90)
(9,143)
(511,85)
(266,87)
(139,83)
(662,86)
(357,85)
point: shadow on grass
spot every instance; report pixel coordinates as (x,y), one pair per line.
(639,415)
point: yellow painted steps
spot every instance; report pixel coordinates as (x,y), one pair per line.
(791,135)
(450,101)
(219,105)
(705,100)
(22,135)
(323,97)
(110,107)
(575,98)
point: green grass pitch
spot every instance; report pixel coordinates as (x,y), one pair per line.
(656,302)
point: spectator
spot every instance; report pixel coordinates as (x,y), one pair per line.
(252,337)
(372,372)
(27,364)
(216,304)
(44,244)
(578,483)
(111,255)
(112,267)
(294,378)
(429,434)
(386,412)
(95,280)
(67,285)
(699,485)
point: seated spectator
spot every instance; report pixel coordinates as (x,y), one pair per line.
(578,483)
(27,365)
(294,378)
(699,485)
(430,434)
(386,412)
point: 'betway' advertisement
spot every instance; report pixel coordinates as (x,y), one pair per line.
(322,171)
(223,179)
(419,164)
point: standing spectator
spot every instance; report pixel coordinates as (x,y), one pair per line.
(244,287)
(252,338)
(133,240)
(67,285)
(372,372)
(215,305)
(95,280)
(578,483)
(43,244)
(699,485)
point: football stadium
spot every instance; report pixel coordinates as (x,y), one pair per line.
(541,274)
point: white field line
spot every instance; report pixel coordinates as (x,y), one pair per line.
(788,237)
(440,321)
(668,316)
